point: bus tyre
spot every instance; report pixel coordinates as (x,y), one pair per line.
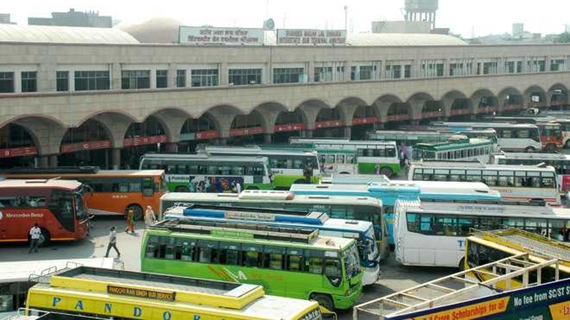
(551,147)
(323,300)
(138,212)
(45,238)
(567,145)
(387,172)
(529,150)
(181,189)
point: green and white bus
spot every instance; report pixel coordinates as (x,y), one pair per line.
(287,165)
(205,173)
(337,207)
(457,147)
(295,263)
(350,157)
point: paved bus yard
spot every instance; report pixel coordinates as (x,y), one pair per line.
(395,277)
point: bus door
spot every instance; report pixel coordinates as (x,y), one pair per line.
(148,187)
(61,206)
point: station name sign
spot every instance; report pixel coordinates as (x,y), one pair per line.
(141,293)
(310,37)
(220,36)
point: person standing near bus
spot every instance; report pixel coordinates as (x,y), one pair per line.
(130,221)
(112,243)
(149,216)
(35,233)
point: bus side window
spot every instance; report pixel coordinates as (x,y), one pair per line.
(170,249)
(230,254)
(274,258)
(251,256)
(152,247)
(295,260)
(207,251)
(147,187)
(187,251)
(315,264)
(333,268)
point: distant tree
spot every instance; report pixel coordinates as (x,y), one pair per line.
(563,38)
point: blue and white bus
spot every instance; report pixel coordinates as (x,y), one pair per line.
(361,231)
(390,192)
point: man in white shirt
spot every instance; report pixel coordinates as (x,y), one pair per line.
(112,243)
(35,233)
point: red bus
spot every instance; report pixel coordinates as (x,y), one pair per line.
(107,192)
(57,206)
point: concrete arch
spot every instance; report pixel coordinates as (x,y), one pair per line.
(557,95)
(382,105)
(484,101)
(528,97)
(172,120)
(116,123)
(46,131)
(418,101)
(452,97)
(222,116)
(510,98)
(348,106)
(311,109)
(255,113)
(269,111)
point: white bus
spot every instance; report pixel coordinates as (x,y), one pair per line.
(522,183)
(433,233)
(455,148)
(361,231)
(560,163)
(512,137)
(288,166)
(205,173)
(15,278)
(350,157)
(338,207)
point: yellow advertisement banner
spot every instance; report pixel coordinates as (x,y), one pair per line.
(560,311)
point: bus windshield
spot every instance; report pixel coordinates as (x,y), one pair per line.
(371,245)
(81,211)
(352,262)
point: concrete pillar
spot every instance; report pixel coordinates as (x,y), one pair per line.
(308,133)
(224,73)
(46,77)
(347,132)
(53,161)
(115,76)
(172,147)
(267,138)
(153,79)
(347,70)
(44,161)
(311,71)
(17,81)
(171,75)
(116,158)
(222,141)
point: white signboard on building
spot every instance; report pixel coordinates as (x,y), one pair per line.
(220,36)
(310,37)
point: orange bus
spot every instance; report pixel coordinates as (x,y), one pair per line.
(107,192)
(57,206)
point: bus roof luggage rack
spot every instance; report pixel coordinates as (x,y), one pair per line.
(527,241)
(453,289)
(45,275)
(58,170)
(504,202)
(240,230)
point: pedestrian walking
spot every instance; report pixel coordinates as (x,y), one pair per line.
(112,243)
(130,221)
(35,233)
(149,216)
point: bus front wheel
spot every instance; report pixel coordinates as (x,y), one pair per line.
(323,300)
(137,214)
(529,150)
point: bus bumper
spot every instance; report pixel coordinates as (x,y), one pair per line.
(370,275)
(348,301)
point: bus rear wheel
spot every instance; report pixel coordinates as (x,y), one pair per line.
(45,238)
(137,214)
(529,150)
(551,147)
(323,300)
(387,172)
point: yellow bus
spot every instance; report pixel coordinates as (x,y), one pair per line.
(484,247)
(118,294)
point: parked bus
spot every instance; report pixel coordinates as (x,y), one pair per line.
(295,263)
(288,166)
(433,233)
(560,163)
(512,137)
(337,207)
(522,183)
(485,246)
(551,134)
(205,173)
(119,294)
(388,193)
(57,206)
(455,148)
(15,277)
(345,156)
(361,231)
(107,192)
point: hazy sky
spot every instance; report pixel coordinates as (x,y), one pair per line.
(466,17)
